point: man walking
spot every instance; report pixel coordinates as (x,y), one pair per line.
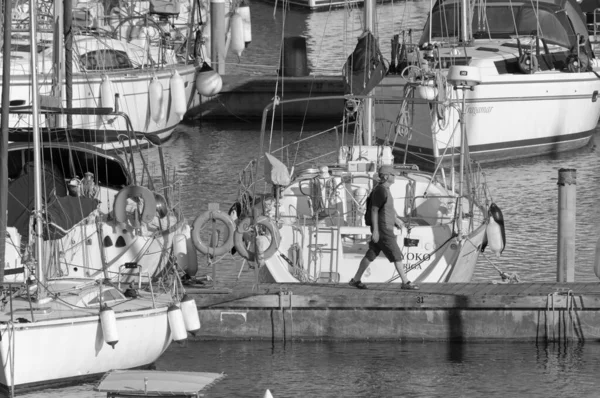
(383,220)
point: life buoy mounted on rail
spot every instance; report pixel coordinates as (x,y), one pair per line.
(206,247)
(134,191)
(245,226)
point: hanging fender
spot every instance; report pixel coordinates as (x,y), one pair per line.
(212,216)
(134,191)
(495,235)
(245,226)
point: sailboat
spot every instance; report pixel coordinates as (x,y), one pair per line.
(138,57)
(305,223)
(101,212)
(57,329)
(539,82)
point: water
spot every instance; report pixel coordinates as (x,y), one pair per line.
(207,158)
(382,369)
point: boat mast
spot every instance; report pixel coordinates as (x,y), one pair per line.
(368,127)
(37,159)
(57,58)
(4,136)
(68,32)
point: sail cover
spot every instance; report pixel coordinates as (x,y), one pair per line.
(365,67)
(20,194)
(61,210)
(63,213)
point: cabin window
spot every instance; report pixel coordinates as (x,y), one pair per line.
(106,59)
(108,295)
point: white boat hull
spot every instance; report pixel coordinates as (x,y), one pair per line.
(33,354)
(132,87)
(507,117)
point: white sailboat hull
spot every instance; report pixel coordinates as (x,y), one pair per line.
(34,354)
(509,116)
(132,87)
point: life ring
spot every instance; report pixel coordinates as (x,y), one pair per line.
(134,191)
(244,226)
(201,220)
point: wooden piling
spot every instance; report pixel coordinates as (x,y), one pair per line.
(217,35)
(567,181)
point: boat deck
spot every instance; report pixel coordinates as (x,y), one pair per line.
(450,311)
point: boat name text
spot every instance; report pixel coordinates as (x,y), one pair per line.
(474,110)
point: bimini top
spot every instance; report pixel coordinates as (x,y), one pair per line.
(152,383)
(556,21)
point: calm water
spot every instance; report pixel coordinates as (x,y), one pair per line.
(207,158)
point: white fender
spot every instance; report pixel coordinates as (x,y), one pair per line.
(178,101)
(244,11)
(237,44)
(494,237)
(176,323)
(206,36)
(268,394)
(208,82)
(107,93)
(190,315)
(135,31)
(180,250)
(192,256)
(108,321)
(155,97)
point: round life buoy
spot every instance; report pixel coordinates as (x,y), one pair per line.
(134,191)
(213,249)
(245,226)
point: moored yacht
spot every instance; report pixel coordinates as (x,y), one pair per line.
(538,92)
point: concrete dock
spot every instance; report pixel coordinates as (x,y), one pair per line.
(541,312)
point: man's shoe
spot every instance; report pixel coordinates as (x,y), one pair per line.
(357,284)
(409,286)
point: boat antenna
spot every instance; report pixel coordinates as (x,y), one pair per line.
(4,134)
(37,158)
(369,15)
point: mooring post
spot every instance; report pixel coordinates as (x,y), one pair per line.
(217,35)
(567,181)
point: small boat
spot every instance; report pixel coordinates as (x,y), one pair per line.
(138,57)
(305,221)
(58,327)
(55,332)
(539,82)
(102,213)
(154,383)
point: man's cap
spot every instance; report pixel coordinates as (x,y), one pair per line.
(388,169)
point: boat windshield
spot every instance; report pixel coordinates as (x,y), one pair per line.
(501,21)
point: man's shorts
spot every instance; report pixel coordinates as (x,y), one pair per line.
(388,245)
